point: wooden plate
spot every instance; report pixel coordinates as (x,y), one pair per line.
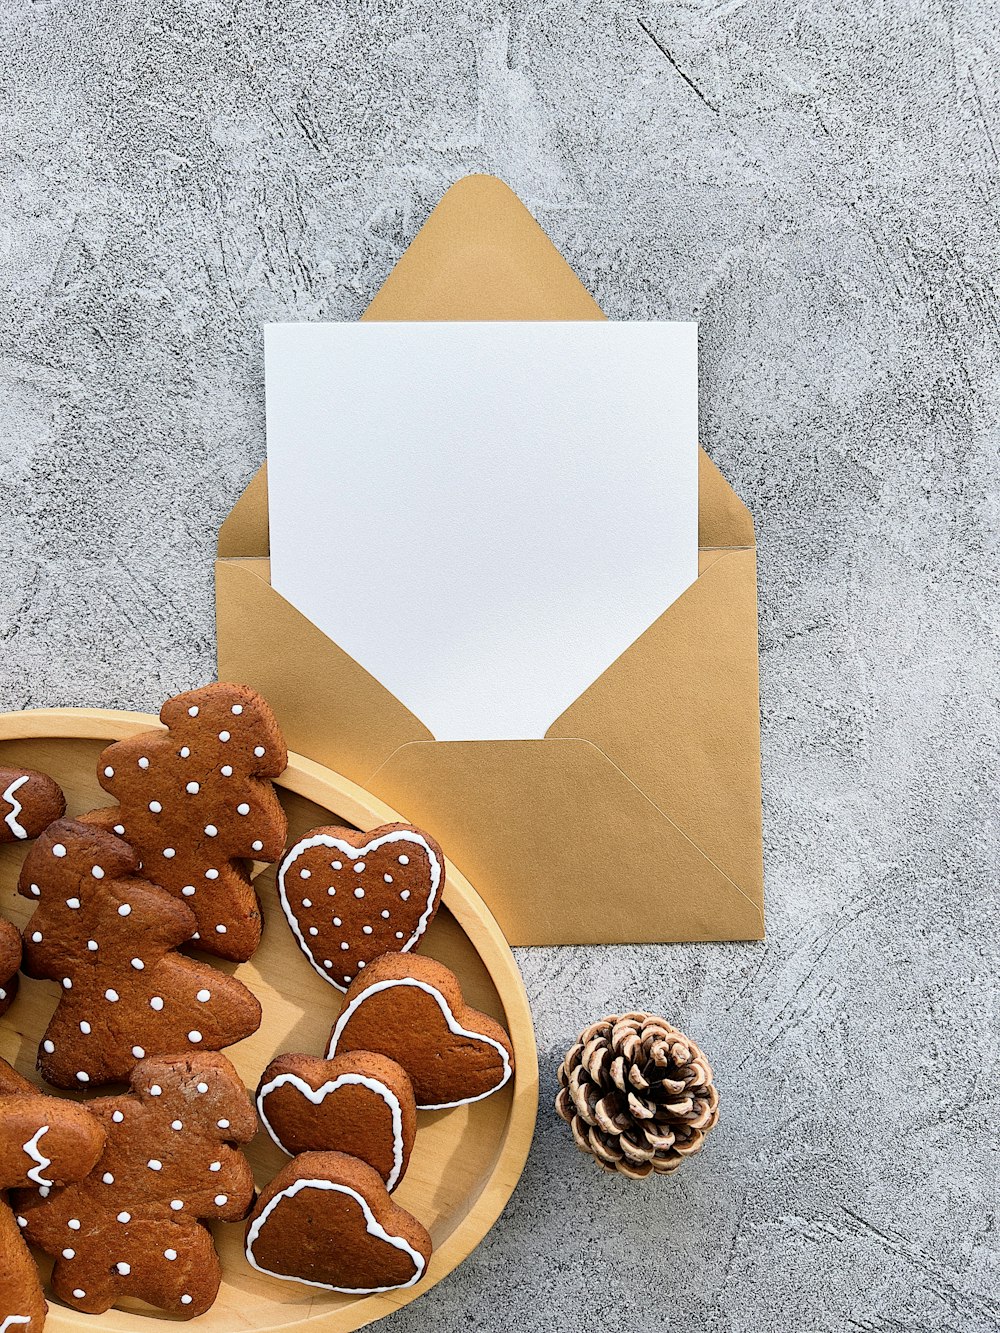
(466,1161)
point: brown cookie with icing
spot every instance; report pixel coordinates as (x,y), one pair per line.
(43,1143)
(350,897)
(110,939)
(29,802)
(411,1009)
(10,962)
(197,803)
(134,1226)
(327,1220)
(361,1104)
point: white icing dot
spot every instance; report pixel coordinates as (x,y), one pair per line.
(220,930)
(211,874)
(327,962)
(337,921)
(111,995)
(73,1224)
(404,860)
(193,711)
(237,709)
(360,865)
(405,895)
(344,945)
(35,889)
(169,853)
(125,910)
(83,1076)
(367,930)
(243,808)
(67,983)
(97,872)
(186,1299)
(36,936)
(211,830)
(221,1199)
(92,946)
(154,1165)
(258,846)
(360,962)
(108,1178)
(203,1087)
(48,1047)
(359,893)
(177,1204)
(204,995)
(387,878)
(259,751)
(117,1117)
(124,1217)
(194,1036)
(399,934)
(155,1090)
(226,770)
(143,762)
(170,1254)
(109,772)
(138,1052)
(385,915)
(188,890)
(223,1124)
(73,903)
(79,1293)
(155,807)
(336,865)
(138,964)
(193,787)
(124,1269)
(346,978)
(58,849)
(85,1028)
(307,902)
(185,752)
(22,1221)
(69,1254)
(177,1124)
(305,874)
(331,892)
(215,1166)
(156,1003)
(223,736)
(119,828)
(313,930)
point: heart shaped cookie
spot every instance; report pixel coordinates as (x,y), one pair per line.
(361,1104)
(411,1009)
(351,896)
(328,1221)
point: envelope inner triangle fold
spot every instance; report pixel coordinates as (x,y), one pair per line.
(483,515)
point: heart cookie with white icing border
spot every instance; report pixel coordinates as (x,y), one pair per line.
(361,1104)
(350,897)
(412,1010)
(327,1220)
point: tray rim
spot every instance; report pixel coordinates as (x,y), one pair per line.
(314,782)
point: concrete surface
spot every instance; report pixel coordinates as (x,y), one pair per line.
(814,183)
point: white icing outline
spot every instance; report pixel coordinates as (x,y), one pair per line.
(36,1155)
(372,1226)
(450,1019)
(13,1319)
(319,1095)
(10,819)
(356,854)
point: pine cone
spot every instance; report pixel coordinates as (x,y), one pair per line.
(637,1094)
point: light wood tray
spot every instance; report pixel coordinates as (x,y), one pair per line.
(466,1161)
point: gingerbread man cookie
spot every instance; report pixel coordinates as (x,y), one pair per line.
(10,962)
(327,1220)
(29,802)
(361,1104)
(351,896)
(411,1009)
(133,1227)
(197,804)
(44,1143)
(109,939)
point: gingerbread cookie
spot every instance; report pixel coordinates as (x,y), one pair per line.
(10,962)
(197,804)
(411,1009)
(44,1143)
(327,1220)
(361,1104)
(350,896)
(110,940)
(29,802)
(132,1227)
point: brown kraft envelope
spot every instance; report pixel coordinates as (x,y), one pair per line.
(638,817)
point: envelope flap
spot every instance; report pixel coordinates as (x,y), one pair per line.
(244,531)
(691,681)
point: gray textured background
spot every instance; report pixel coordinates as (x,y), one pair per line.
(814,183)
